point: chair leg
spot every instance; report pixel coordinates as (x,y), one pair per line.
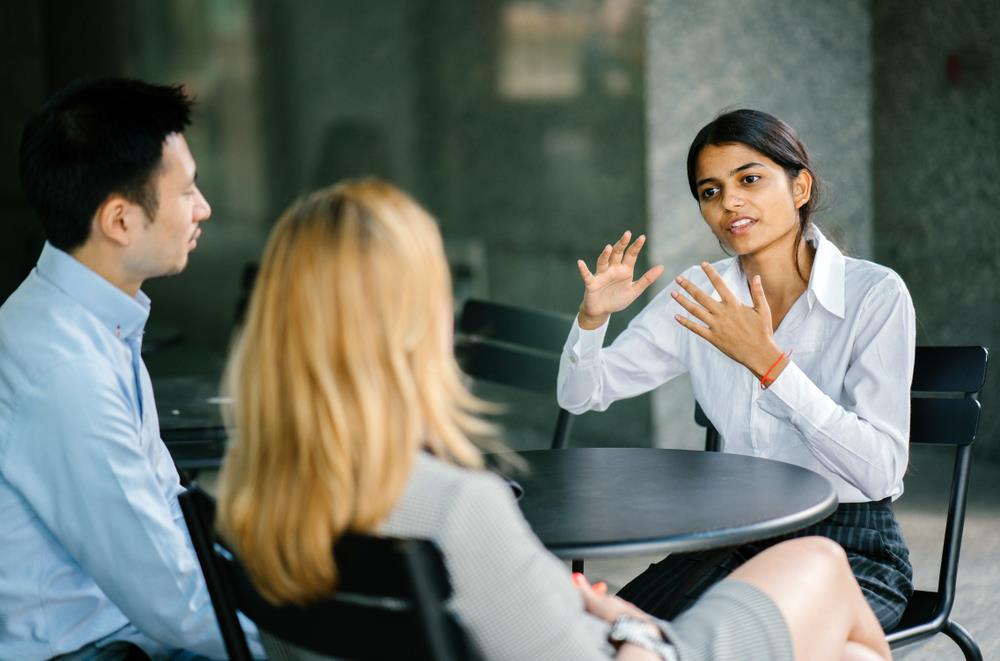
(560,439)
(964,640)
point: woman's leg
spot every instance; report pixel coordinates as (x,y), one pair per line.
(857,652)
(877,553)
(811,583)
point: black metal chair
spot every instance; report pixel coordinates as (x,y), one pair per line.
(390,603)
(515,347)
(945,410)
(713,441)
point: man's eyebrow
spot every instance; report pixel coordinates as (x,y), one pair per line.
(745,166)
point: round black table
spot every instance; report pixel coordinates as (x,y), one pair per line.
(605,502)
(191,423)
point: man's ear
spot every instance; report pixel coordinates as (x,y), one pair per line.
(802,187)
(114,219)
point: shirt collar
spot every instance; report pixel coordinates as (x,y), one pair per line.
(122,314)
(826,282)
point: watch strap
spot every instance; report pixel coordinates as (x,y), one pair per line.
(628,629)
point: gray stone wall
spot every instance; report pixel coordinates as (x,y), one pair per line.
(808,63)
(937,172)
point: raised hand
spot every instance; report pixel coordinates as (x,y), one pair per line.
(611,288)
(742,332)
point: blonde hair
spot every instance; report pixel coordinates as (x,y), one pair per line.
(342,373)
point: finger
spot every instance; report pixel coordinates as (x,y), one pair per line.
(633,610)
(592,594)
(703,299)
(585,273)
(699,312)
(648,278)
(716,280)
(620,245)
(590,600)
(696,328)
(757,293)
(633,251)
(599,605)
(602,259)
(760,303)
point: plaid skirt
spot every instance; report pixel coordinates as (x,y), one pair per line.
(868,532)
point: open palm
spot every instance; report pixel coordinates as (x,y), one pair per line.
(611,288)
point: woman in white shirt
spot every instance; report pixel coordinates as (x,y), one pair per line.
(795,353)
(351,415)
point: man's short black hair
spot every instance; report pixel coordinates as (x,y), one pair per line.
(94,139)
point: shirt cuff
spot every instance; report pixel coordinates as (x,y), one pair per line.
(790,394)
(584,345)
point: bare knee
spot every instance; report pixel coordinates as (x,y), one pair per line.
(822,559)
(811,564)
(816,548)
(809,579)
(803,563)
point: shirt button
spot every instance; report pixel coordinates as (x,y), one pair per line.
(118,331)
(573,359)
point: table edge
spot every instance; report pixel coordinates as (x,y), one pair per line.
(701,541)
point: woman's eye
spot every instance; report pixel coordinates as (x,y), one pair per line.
(708,193)
(751,178)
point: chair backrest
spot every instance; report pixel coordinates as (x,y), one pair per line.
(390,602)
(945,411)
(515,347)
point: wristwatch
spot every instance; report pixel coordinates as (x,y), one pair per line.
(628,629)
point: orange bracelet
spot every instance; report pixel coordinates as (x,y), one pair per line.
(765,381)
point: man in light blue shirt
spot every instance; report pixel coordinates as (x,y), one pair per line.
(95,559)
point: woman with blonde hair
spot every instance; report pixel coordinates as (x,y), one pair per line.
(351,415)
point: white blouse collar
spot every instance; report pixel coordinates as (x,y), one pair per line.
(826,281)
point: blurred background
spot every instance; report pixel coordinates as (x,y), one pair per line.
(536,131)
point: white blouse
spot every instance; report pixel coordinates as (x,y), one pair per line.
(840,408)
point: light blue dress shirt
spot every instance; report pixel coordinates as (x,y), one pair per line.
(92,540)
